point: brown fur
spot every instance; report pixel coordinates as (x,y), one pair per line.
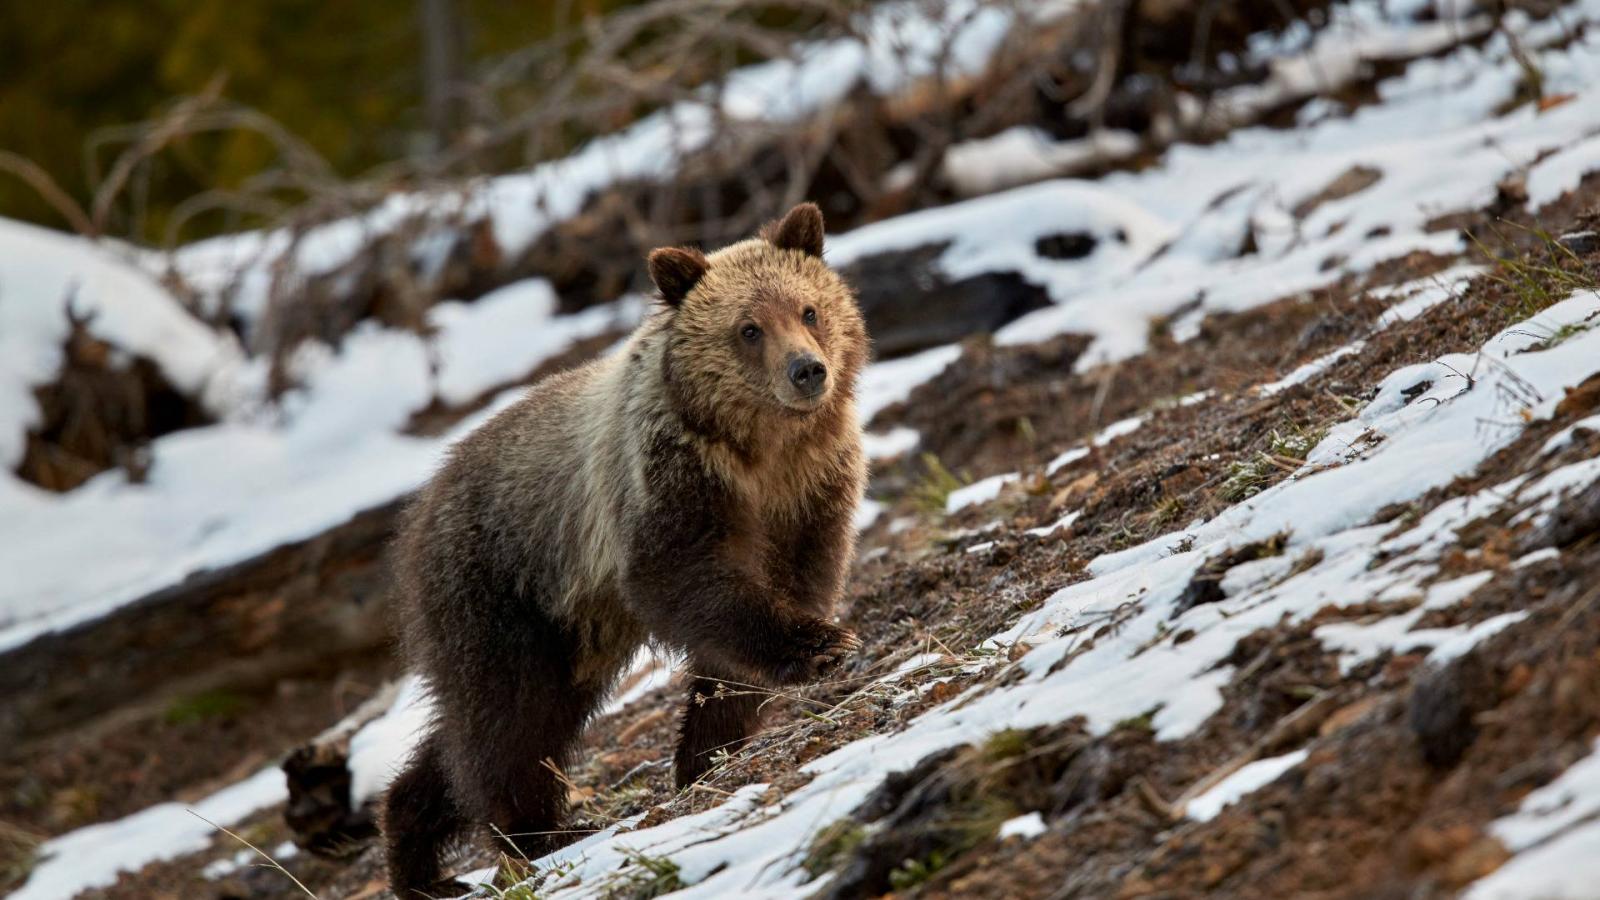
(694,488)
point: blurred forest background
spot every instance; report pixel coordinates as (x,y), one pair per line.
(223,114)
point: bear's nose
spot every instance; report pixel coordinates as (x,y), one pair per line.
(808,374)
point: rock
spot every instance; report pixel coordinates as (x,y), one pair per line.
(1580,242)
(1443,705)
(910,305)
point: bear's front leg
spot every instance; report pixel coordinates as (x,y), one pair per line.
(722,712)
(719,716)
(815,648)
(728,620)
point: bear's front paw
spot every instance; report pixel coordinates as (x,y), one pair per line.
(821,647)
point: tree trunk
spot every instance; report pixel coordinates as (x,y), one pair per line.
(441,27)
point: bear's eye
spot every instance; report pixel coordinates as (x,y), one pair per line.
(751,333)
(809,316)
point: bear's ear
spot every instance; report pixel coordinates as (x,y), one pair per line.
(676,270)
(800,230)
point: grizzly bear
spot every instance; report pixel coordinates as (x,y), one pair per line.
(694,489)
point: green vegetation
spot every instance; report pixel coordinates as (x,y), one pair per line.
(1286,451)
(215,704)
(647,877)
(19,850)
(1534,285)
(930,494)
(519,891)
(1167,510)
(1145,721)
(913,872)
(832,844)
(341,76)
(1006,744)
(1563,334)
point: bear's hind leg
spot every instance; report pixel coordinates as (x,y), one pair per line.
(419,821)
(508,754)
(713,721)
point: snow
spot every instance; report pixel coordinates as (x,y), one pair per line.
(222,868)
(1438,147)
(1310,370)
(1566,435)
(886,383)
(380,748)
(1555,832)
(92,857)
(221,494)
(333,447)
(1569,800)
(269,475)
(1024,154)
(509,332)
(1247,780)
(895,442)
(867,513)
(978,492)
(1435,141)
(1101,438)
(1000,232)
(1567,868)
(1340,53)
(1063,522)
(1424,294)
(1026,827)
(43,276)
(1536,557)
(1165,237)
(1066,458)
(1561,172)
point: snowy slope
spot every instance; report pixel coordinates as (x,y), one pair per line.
(1408,446)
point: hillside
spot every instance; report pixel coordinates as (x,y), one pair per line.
(1232,525)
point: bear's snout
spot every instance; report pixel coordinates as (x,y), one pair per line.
(808,375)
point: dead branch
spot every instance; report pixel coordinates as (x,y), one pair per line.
(46,187)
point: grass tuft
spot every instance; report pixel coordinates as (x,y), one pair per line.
(1145,721)
(19,852)
(913,872)
(1009,743)
(833,843)
(648,877)
(1286,451)
(207,705)
(930,494)
(1535,285)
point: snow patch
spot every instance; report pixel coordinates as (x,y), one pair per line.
(981,491)
(1240,784)
(92,857)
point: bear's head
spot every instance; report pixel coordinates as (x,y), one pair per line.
(761,329)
